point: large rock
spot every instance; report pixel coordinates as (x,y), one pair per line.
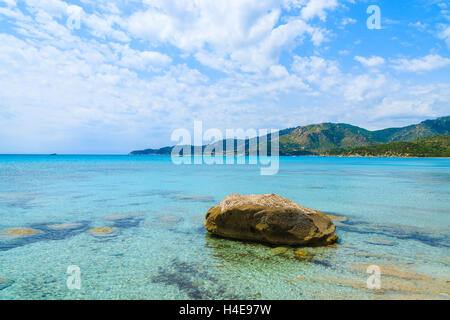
(269,218)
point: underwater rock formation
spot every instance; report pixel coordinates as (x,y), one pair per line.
(102,231)
(19,232)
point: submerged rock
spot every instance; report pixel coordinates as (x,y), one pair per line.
(122,216)
(269,218)
(337,218)
(278,250)
(167,221)
(301,253)
(102,231)
(64,226)
(20,232)
(381,242)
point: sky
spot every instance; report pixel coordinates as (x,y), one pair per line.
(107,77)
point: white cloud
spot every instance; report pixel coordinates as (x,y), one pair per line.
(125,80)
(419,25)
(444,34)
(266,53)
(445,12)
(373,61)
(103,26)
(142,60)
(317,8)
(427,63)
(418,102)
(52,7)
(328,77)
(13,13)
(317,71)
(10,3)
(278,71)
(88,93)
(364,87)
(347,21)
(243,34)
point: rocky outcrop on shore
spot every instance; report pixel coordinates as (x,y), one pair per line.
(269,218)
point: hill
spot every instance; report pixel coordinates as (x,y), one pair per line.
(322,138)
(436,146)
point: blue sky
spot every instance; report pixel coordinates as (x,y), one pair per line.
(113,76)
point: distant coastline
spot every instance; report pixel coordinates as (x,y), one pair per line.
(323,156)
(427,139)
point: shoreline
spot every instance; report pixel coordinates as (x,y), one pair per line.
(290,156)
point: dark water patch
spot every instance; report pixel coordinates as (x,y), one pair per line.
(103,200)
(189,232)
(117,255)
(137,204)
(22,203)
(175,195)
(128,222)
(193,198)
(166,221)
(50,231)
(5,283)
(404,208)
(434,238)
(125,220)
(381,242)
(323,263)
(38,287)
(190,279)
(20,200)
(153,193)
(81,196)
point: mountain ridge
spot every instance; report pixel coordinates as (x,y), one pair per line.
(322,138)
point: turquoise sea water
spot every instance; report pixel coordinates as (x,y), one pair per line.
(398,217)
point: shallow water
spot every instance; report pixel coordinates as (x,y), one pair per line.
(397,209)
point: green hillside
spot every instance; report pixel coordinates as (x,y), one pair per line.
(322,138)
(424,129)
(436,146)
(319,138)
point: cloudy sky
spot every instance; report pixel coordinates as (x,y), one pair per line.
(95,76)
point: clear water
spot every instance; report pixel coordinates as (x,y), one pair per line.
(160,249)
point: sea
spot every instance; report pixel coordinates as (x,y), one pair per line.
(132,227)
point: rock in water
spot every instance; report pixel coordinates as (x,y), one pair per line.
(278,250)
(102,231)
(301,253)
(271,219)
(18,232)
